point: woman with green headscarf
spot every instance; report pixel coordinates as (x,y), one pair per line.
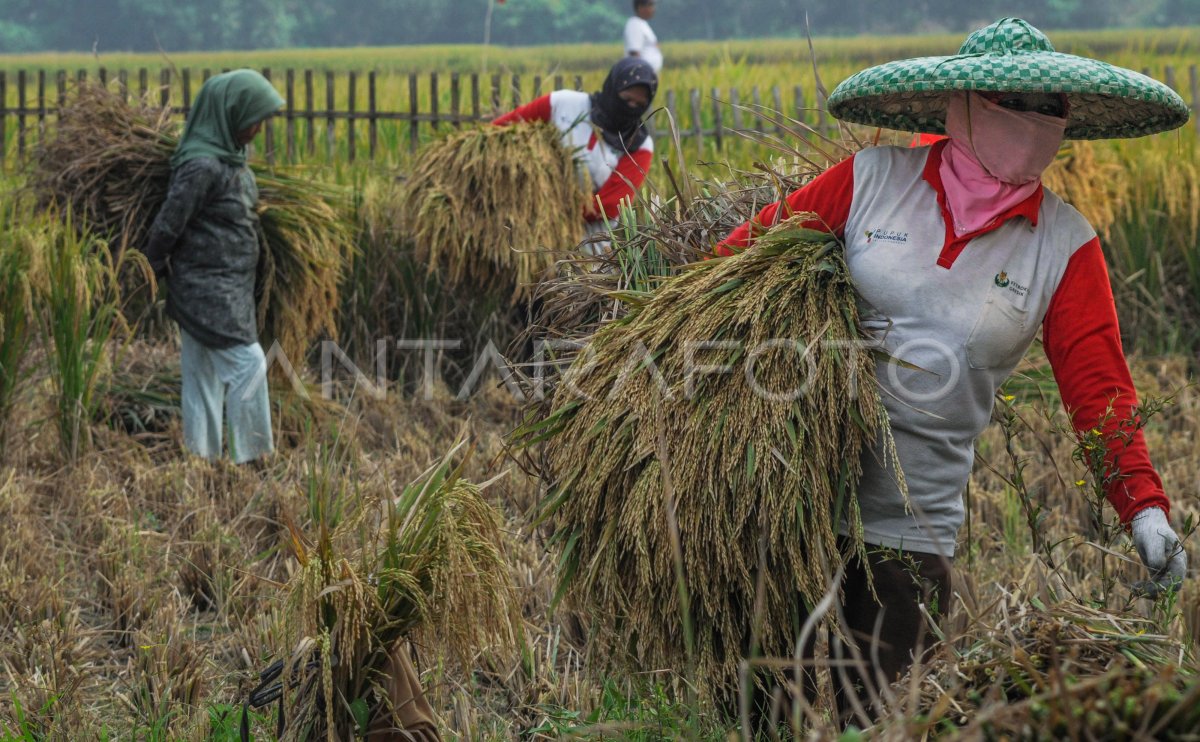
(204,241)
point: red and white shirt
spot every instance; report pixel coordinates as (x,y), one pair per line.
(615,175)
(963,311)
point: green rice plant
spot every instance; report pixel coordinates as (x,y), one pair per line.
(707,508)
(17,253)
(78,299)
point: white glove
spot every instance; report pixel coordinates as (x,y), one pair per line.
(1160,550)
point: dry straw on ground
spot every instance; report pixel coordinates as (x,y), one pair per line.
(706,507)
(489,207)
(107,162)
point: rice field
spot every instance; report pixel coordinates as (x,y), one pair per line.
(142,592)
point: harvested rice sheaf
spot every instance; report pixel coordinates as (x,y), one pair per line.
(758,460)
(489,207)
(427,563)
(108,161)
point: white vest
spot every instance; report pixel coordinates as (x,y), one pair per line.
(967,327)
(569,112)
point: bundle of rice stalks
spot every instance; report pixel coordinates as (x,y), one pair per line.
(108,161)
(488,207)
(696,507)
(1094,185)
(426,563)
(390,294)
(1064,671)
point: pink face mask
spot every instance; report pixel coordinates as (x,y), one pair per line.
(1014,147)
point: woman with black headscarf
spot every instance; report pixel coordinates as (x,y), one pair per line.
(606,131)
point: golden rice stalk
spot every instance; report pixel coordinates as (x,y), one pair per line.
(489,207)
(1095,186)
(426,562)
(107,161)
(759,479)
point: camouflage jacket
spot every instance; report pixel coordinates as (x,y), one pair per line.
(206,237)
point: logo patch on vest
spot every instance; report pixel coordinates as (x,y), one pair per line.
(886,235)
(1004,282)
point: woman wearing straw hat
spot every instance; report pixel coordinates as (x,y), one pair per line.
(960,255)
(204,240)
(606,131)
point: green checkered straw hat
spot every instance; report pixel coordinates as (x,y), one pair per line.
(1105,102)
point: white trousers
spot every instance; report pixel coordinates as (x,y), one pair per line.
(229,379)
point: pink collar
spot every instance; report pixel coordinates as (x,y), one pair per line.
(954,243)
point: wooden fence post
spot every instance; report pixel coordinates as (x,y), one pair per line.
(41,94)
(269,126)
(537,87)
(414,136)
(123,84)
(758,109)
(495,94)
(455,102)
(310,124)
(186,74)
(675,125)
(798,94)
(373,124)
(143,82)
(697,129)
(718,127)
(3,115)
(516,90)
(433,101)
(103,75)
(558,82)
(353,93)
(164,89)
(475,112)
(736,104)
(60,83)
(290,114)
(21,114)
(1194,83)
(330,121)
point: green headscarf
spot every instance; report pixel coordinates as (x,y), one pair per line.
(226,104)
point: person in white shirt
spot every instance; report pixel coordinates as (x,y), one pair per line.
(640,40)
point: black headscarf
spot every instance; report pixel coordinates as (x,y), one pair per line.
(621,125)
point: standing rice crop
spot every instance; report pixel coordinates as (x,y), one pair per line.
(108,162)
(489,207)
(16,308)
(78,296)
(704,451)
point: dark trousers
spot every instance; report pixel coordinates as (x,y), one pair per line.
(885,632)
